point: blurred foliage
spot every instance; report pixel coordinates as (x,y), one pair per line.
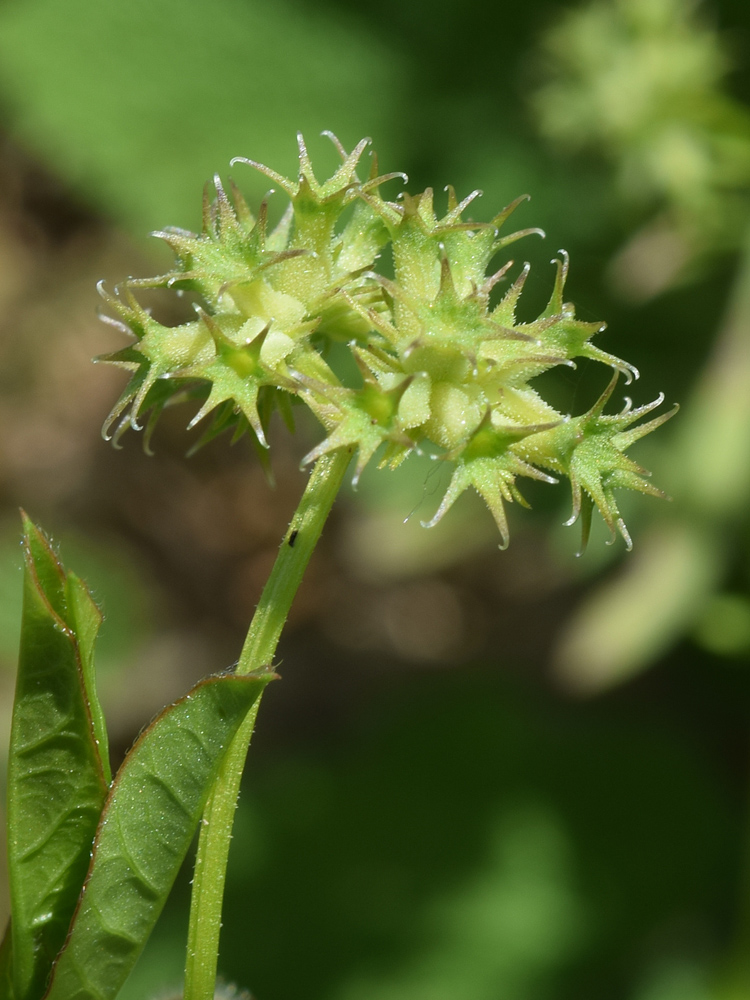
(137,105)
(644,83)
(457,833)
(473,838)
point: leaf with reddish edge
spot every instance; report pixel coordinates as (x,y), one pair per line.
(58,770)
(145,831)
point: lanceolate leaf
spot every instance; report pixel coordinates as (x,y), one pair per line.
(85,619)
(57,776)
(147,825)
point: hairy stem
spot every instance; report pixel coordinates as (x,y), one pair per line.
(258,651)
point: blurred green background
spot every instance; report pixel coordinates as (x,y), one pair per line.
(485,776)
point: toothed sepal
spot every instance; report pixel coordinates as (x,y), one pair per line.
(489,465)
(365,419)
(590,450)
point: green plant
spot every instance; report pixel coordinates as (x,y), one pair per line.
(644,84)
(425,360)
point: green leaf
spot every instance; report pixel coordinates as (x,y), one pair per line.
(57,778)
(85,619)
(147,825)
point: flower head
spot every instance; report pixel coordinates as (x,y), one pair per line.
(438,363)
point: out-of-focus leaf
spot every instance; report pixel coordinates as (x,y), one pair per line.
(11,594)
(680,980)
(136,105)
(147,824)
(644,83)
(6,969)
(653,601)
(664,590)
(57,771)
(724,626)
(713,448)
(501,933)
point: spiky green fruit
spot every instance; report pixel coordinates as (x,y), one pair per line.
(441,367)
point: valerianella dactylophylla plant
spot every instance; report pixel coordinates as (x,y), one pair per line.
(437,367)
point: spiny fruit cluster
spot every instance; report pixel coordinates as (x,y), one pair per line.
(438,365)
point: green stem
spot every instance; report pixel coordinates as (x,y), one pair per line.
(258,651)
